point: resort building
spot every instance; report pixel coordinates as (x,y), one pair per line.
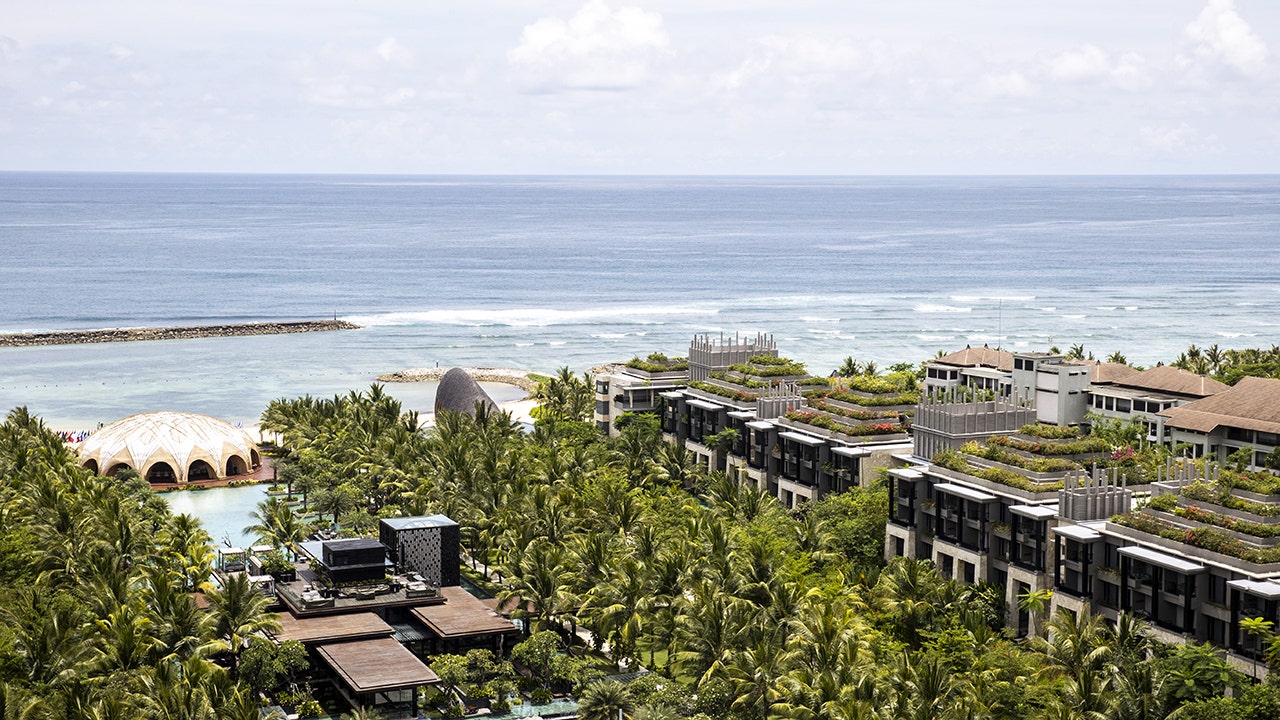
(171,447)
(762,418)
(374,614)
(993,495)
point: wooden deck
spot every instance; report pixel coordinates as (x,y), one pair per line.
(376,665)
(332,628)
(462,615)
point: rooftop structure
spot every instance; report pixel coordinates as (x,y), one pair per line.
(171,447)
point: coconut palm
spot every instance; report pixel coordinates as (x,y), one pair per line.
(277,525)
(239,610)
(604,700)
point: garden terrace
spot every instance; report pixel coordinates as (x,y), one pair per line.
(902,401)
(892,384)
(724,390)
(1178,533)
(855,412)
(1003,456)
(843,426)
(962,464)
(763,366)
(1049,432)
(657,364)
(1078,449)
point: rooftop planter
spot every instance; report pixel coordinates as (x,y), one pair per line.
(840,435)
(721,391)
(1019,461)
(848,410)
(1242,530)
(1083,447)
(657,363)
(1229,502)
(828,422)
(1208,544)
(903,400)
(1041,431)
(952,464)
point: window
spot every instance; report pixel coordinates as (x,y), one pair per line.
(1239,434)
(1265,438)
(1217,589)
(602,407)
(1122,406)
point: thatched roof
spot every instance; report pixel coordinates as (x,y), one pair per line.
(460,393)
(1252,404)
(1174,381)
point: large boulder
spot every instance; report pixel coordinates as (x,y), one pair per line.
(460,393)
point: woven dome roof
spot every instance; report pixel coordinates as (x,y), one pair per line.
(170,446)
(459,392)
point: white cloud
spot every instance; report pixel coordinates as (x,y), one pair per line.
(596,49)
(400,95)
(8,48)
(799,60)
(119,52)
(1012,84)
(391,51)
(1088,63)
(1182,138)
(1220,39)
(1092,64)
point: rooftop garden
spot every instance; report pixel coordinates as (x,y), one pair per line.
(1221,495)
(897,383)
(657,362)
(1049,432)
(955,461)
(1083,446)
(1206,538)
(1169,503)
(853,398)
(768,367)
(827,422)
(739,395)
(995,453)
(817,404)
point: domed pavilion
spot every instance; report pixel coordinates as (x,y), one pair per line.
(171,447)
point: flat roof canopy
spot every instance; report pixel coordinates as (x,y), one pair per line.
(804,439)
(964,492)
(376,665)
(851,452)
(760,425)
(1075,532)
(1268,589)
(1158,558)
(331,628)
(704,405)
(462,614)
(1035,512)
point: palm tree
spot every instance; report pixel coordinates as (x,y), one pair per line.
(277,525)
(1036,603)
(1257,628)
(239,610)
(604,700)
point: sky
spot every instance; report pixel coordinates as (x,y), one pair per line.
(637,87)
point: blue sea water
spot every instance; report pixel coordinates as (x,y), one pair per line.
(540,272)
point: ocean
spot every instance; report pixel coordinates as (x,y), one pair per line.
(542,272)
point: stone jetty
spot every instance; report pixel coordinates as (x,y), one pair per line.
(81,337)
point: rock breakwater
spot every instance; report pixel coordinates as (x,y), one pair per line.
(81,337)
(510,376)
